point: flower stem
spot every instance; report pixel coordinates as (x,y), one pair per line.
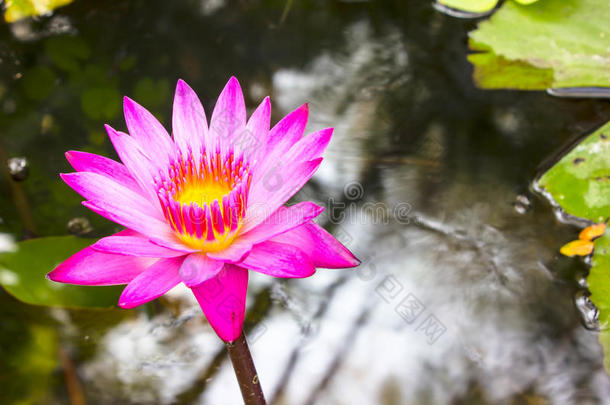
(245,372)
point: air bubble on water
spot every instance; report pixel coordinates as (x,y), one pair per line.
(589,314)
(522,204)
(19,168)
(582,282)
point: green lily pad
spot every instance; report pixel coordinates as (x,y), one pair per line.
(18,9)
(477,6)
(568,37)
(599,286)
(472,6)
(495,72)
(23,275)
(580,182)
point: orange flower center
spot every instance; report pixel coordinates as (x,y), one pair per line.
(204,201)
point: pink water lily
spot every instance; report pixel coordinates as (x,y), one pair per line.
(204,207)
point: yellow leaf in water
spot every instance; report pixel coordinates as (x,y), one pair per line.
(18,9)
(577,248)
(592,232)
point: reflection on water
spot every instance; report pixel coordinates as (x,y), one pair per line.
(461,297)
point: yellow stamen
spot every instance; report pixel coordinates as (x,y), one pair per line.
(202,193)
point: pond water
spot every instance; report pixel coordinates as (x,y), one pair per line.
(462,296)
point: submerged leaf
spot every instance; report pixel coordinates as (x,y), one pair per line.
(23,275)
(568,37)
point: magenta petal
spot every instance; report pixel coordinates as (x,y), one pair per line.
(282,220)
(322,248)
(132,219)
(310,147)
(229,116)
(152,138)
(98,188)
(279,260)
(189,124)
(198,268)
(256,135)
(155,281)
(288,131)
(138,164)
(90,267)
(223,301)
(89,162)
(274,189)
(170,241)
(234,253)
(134,246)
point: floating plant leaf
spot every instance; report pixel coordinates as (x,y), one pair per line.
(22,274)
(477,6)
(472,6)
(568,37)
(599,286)
(580,182)
(496,72)
(18,9)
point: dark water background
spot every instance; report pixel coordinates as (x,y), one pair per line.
(427,179)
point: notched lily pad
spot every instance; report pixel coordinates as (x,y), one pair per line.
(568,37)
(23,275)
(580,182)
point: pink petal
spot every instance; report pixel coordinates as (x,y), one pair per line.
(234,253)
(155,281)
(322,248)
(223,301)
(90,267)
(274,189)
(254,139)
(138,164)
(198,268)
(282,220)
(281,138)
(89,162)
(229,116)
(170,241)
(133,219)
(310,147)
(152,138)
(279,260)
(134,246)
(100,189)
(288,131)
(189,124)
